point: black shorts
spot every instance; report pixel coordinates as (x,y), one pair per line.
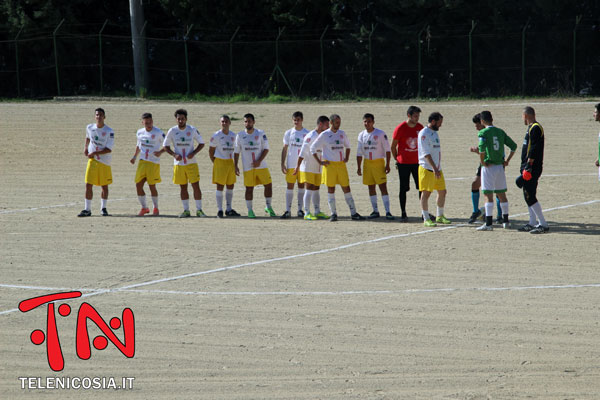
(404,173)
(478,171)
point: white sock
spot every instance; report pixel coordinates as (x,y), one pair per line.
(331,202)
(103,203)
(88,205)
(489,209)
(198,204)
(219,196)
(268,201)
(142,200)
(504,208)
(186,204)
(307,197)
(537,209)
(374,203)
(289,196)
(386,203)
(228,198)
(425,214)
(155,201)
(532,220)
(350,202)
(249,205)
(301,199)
(316,198)
(440,211)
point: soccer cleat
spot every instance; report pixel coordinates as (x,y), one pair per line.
(499,220)
(321,215)
(374,214)
(526,228)
(143,212)
(251,214)
(220,214)
(200,213)
(404,218)
(506,225)
(232,213)
(485,227)
(333,218)
(269,210)
(84,213)
(105,213)
(185,214)
(389,216)
(155,212)
(540,229)
(474,217)
(429,223)
(357,217)
(310,217)
(300,214)
(286,215)
(442,220)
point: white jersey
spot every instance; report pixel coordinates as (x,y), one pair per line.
(333,144)
(182,143)
(309,164)
(251,146)
(100,139)
(223,144)
(373,145)
(429,143)
(293,139)
(149,142)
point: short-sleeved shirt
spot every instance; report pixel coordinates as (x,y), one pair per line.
(309,164)
(251,146)
(293,139)
(491,142)
(429,143)
(182,143)
(533,147)
(333,144)
(224,144)
(148,142)
(373,145)
(407,147)
(100,139)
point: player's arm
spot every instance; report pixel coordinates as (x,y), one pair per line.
(236,159)
(105,150)
(260,159)
(87,143)
(482,158)
(597,162)
(283,155)
(359,151)
(347,158)
(137,151)
(394,148)
(197,150)
(436,171)
(388,155)
(535,136)
(172,153)
(297,169)
(211,153)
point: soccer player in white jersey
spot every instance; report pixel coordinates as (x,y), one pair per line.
(220,151)
(149,147)
(253,145)
(374,147)
(336,152)
(431,176)
(185,169)
(292,143)
(309,171)
(99,140)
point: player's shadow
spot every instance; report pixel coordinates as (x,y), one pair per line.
(574,228)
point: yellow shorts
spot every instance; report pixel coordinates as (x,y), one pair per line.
(182,174)
(374,172)
(98,174)
(335,173)
(256,177)
(148,170)
(289,178)
(310,177)
(428,182)
(223,172)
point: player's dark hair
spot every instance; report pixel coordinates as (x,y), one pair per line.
(100,110)
(249,116)
(181,111)
(597,106)
(529,111)
(322,119)
(334,116)
(298,114)
(369,115)
(413,109)
(477,118)
(486,116)
(435,116)
(146,115)
(226,117)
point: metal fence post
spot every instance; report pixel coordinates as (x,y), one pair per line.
(100,57)
(231,58)
(523,57)
(419,61)
(323,62)
(56,56)
(577,20)
(187,63)
(371,60)
(17,62)
(473,24)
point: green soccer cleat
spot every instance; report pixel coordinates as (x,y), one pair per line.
(200,213)
(429,223)
(185,214)
(442,220)
(251,214)
(269,210)
(321,215)
(310,217)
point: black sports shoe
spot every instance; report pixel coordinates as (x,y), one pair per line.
(85,213)
(474,217)
(357,217)
(404,218)
(300,214)
(539,229)
(499,220)
(286,215)
(389,216)
(374,215)
(220,214)
(526,228)
(105,213)
(232,213)
(333,218)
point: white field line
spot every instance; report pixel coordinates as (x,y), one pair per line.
(132,287)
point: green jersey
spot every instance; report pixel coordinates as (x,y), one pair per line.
(492,141)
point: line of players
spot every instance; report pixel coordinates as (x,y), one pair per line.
(308,159)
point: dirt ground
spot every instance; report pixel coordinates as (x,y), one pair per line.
(292,309)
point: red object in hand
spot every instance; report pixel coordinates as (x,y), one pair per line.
(526,175)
